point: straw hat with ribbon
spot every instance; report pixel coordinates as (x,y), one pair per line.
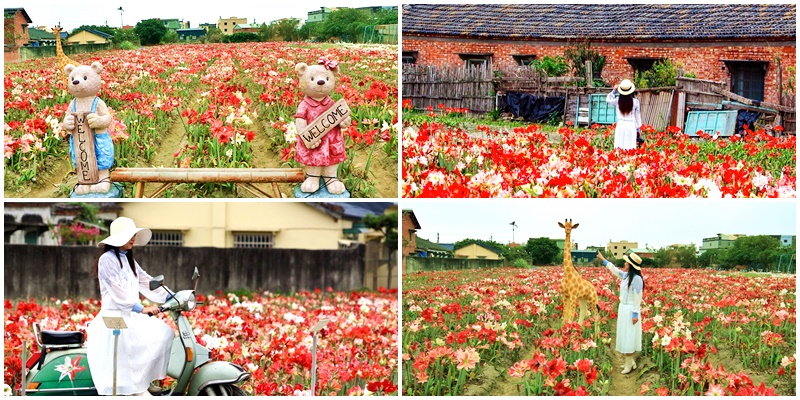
(122,230)
(626,87)
(634,260)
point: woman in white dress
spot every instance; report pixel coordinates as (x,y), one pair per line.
(629,115)
(629,323)
(144,347)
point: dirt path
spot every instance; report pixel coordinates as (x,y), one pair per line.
(55,180)
(625,385)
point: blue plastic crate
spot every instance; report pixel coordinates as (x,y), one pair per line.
(600,112)
(711,122)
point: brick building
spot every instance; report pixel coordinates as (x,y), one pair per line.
(15,32)
(742,44)
(410,226)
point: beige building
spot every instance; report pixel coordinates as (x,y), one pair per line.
(87,36)
(477,251)
(239,224)
(619,248)
(226,25)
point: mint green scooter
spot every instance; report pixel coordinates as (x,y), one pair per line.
(60,367)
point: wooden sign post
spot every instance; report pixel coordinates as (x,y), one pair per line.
(85,158)
(323,124)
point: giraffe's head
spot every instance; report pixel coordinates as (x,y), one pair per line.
(568,225)
(56,30)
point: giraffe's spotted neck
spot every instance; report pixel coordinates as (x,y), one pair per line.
(568,254)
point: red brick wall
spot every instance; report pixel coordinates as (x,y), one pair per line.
(409,238)
(13,32)
(702,59)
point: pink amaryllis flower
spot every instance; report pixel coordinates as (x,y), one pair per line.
(467,358)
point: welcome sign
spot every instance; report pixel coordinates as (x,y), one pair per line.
(323,124)
(85,158)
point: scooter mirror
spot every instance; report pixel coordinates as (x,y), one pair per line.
(195,274)
(156,282)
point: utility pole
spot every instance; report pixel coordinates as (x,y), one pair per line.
(513,228)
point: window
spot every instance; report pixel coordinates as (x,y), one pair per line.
(747,78)
(31,237)
(476,60)
(642,64)
(166,238)
(615,247)
(410,57)
(524,59)
(253,240)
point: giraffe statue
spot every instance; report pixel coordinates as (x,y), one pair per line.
(63,60)
(574,289)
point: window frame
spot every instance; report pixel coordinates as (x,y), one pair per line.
(737,71)
(156,240)
(238,243)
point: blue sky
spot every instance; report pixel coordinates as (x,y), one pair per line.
(652,222)
(74,13)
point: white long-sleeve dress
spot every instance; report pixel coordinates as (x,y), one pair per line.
(144,347)
(629,336)
(625,133)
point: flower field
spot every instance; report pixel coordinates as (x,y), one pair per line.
(213,105)
(499,332)
(443,162)
(266,334)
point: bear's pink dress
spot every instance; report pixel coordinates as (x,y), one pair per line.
(331,149)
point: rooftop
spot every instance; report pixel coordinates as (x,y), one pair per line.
(602,21)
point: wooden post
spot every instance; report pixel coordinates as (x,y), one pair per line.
(589,77)
(85,158)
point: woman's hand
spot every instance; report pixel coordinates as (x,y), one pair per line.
(635,320)
(600,256)
(150,310)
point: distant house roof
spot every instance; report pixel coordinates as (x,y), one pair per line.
(92,31)
(190,31)
(448,246)
(246,26)
(413,217)
(427,245)
(490,248)
(602,21)
(10,12)
(38,34)
(357,211)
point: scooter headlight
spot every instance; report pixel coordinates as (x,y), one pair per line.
(190,303)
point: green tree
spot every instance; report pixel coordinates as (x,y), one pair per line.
(514,253)
(213,35)
(542,250)
(663,73)
(266,32)
(753,251)
(713,258)
(124,36)
(686,256)
(552,66)
(150,31)
(345,24)
(579,54)
(385,17)
(310,31)
(170,37)
(286,29)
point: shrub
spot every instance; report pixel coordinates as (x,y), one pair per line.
(664,73)
(520,263)
(127,45)
(552,66)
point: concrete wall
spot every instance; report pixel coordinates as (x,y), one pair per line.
(67,272)
(414,264)
(705,59)
(27,53)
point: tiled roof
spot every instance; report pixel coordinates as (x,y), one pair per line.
(602,21)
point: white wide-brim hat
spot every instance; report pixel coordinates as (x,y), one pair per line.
(626,87)
(634,260)
(122,230)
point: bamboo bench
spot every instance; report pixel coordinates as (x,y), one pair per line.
(244,176)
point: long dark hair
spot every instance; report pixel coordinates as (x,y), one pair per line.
(631,273)
(625,103)
(108,247)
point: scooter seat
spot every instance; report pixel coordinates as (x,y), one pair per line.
(62,337)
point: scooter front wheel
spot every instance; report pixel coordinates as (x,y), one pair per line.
(222,390)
